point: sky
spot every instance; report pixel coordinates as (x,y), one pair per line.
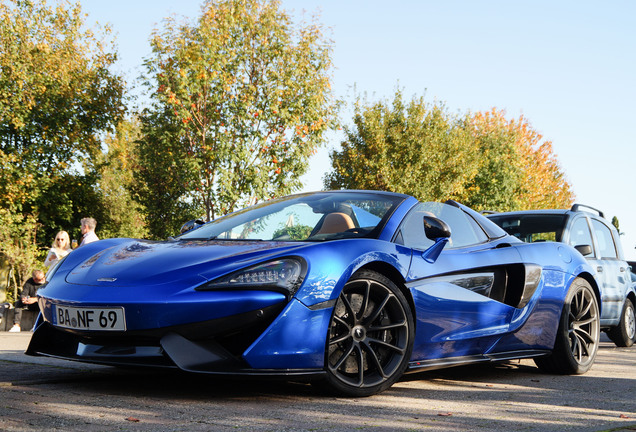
(569,67)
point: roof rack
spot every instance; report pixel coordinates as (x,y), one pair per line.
(576,207)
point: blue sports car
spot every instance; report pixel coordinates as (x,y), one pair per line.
(348,288)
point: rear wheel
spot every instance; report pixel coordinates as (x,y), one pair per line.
(370,336)
(578,335)
(624,333)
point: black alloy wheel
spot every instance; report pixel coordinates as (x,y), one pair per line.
(370,336)
(624,334)
(578,335)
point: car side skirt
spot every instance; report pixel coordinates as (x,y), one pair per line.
(419,366)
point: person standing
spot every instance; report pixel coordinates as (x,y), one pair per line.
(28,298)
(61,247)
(88,225)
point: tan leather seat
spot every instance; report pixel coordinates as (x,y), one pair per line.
(335,223)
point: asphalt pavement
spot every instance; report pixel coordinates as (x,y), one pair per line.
(43,394)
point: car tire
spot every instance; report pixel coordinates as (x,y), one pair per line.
(624,333)
(578,334)
(370,337)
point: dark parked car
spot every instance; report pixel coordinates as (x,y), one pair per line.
(587,230)
(350,288)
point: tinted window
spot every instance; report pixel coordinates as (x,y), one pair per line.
(580,233)
(532,228)
(464,230)
(606,246)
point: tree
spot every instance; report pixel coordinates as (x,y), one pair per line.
(519,169)
(616,225)
(56,92)
(244,96)
(498,178)
(414,148)
(18,231)
(18,235)
(482,159)
(122,216)
(57,96)
(163,176)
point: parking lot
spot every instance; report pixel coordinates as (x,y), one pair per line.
(48,394)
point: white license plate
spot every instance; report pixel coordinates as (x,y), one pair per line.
(89,318)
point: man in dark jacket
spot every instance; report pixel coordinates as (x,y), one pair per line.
(28,298)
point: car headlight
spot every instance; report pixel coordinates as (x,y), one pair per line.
(284,275)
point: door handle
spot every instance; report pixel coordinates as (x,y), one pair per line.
(599,269)
(622,269)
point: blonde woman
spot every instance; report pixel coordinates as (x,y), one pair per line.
(61,247)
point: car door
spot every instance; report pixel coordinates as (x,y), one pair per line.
(460,309)
(612,271)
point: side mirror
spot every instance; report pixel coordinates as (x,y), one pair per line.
(435,228)
(190,225)
(585,250)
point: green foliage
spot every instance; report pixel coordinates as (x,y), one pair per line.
(57,97)
(482,159)
(616,224)
(413,148)
(68,199)
(295,232)
(17,243)
(122,216)
(56,93)
(6,294)
(162,177)
(242,99)
(496,183)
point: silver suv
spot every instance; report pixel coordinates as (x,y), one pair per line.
(586,229)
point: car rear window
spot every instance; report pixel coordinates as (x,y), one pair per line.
(532,228)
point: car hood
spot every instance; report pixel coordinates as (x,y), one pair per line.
(139,262)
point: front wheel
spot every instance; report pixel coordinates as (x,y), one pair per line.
(578,335)
(624,334)
(370,336)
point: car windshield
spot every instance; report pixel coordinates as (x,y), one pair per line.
(306,217)
(532,227)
